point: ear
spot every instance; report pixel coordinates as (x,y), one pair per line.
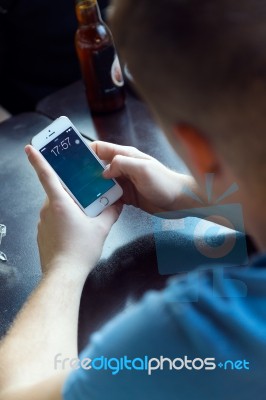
(197,149)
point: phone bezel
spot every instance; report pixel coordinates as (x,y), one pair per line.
(50,133)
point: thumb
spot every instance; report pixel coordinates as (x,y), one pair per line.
(46,174)
(123,166)
(109,216)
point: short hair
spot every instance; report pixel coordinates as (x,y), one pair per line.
(201,62)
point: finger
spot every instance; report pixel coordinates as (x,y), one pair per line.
(122,166)
(46,174)
(109,216)
(107,151)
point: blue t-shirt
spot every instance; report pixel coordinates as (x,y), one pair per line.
(210,328)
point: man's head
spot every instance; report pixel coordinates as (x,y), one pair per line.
(201,64)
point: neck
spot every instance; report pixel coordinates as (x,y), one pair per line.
(88,12)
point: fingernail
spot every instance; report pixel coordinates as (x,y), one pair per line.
(106,171)
(27,150)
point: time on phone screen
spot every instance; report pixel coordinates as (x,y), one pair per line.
(77,167)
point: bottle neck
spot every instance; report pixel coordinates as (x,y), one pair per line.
(88,12)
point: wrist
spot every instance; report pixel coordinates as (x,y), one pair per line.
(185,185)
(68,269)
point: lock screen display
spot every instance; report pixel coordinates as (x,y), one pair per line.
(77,167)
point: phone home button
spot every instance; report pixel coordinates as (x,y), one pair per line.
(104,201)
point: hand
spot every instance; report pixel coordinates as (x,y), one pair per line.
(67,238)
(147,183)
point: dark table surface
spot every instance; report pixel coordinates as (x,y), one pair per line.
(21,197)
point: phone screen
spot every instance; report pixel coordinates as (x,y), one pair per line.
(77,167)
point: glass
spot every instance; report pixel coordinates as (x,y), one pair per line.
(3,257)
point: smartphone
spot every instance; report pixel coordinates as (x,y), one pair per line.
(77,166)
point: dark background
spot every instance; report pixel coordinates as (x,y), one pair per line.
(37,52)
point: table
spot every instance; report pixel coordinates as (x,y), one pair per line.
(21,197)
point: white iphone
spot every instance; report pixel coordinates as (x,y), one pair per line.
(78,167)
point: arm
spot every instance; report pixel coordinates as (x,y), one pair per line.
(47,325)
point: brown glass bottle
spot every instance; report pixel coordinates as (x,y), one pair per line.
(100,66)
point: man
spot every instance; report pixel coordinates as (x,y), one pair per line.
(201,66)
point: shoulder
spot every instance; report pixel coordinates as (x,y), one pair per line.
(201,314)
